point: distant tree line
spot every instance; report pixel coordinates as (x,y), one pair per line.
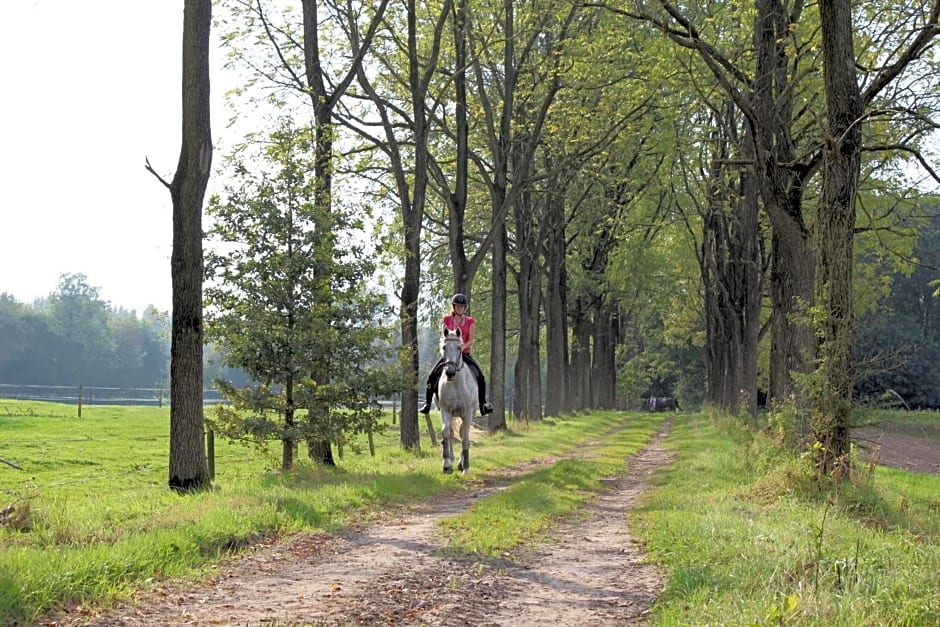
(74,337)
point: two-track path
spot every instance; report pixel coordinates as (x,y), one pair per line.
(589,572)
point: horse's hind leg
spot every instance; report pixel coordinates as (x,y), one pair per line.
(464,464)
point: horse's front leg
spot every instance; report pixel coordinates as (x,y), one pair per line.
(465,441)
(447,441)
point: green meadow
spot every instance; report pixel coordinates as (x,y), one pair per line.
(743,533)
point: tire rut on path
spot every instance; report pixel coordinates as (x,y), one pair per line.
(589,572)
(594,571)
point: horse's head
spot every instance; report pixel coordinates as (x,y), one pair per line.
(452,351)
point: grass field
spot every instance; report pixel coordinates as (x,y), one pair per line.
(920,424)
(743,533)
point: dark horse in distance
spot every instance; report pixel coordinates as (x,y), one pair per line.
(662,403)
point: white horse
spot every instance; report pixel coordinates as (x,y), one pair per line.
(456,397)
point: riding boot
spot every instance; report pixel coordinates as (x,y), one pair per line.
(485,407)
(433,378)
(428,398)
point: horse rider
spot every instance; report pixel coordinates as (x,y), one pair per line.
(458,318)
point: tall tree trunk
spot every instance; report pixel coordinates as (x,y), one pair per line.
(497,380)
(462,268)
(792,341)
(188,467)
(413,214)
(503,156)
(319,448)
(603,367)
(836,225)
(527,392)
(409,430)
(579,372)
(748,243)
(324,103)
(556,308)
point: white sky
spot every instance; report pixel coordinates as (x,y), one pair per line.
(91,89)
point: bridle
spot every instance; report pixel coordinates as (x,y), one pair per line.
(458,363)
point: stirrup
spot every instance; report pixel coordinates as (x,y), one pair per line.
(426,408)
(486,409)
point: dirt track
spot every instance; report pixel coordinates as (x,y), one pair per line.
(590,572)
(908,452)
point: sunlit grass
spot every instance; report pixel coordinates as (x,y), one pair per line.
(737,554)
(519,516)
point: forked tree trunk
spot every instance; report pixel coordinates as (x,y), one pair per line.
(792,340)
(323,103)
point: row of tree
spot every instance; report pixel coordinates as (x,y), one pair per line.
(611,169)
(621,176)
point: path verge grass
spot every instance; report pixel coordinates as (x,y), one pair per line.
(517,518)
(94,518)
(746,540)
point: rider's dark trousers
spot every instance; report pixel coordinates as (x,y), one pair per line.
(438,368)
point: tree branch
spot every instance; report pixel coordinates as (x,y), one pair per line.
(930,30)
(150,169)
(904,148)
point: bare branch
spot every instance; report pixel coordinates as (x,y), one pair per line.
(930,30)
(911,151)
(150,169)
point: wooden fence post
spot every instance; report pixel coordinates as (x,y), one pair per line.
(427,418)
(210,452)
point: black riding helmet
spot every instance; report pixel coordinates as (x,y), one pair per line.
(459,299)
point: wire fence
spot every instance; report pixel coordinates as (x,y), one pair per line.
(93,395)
